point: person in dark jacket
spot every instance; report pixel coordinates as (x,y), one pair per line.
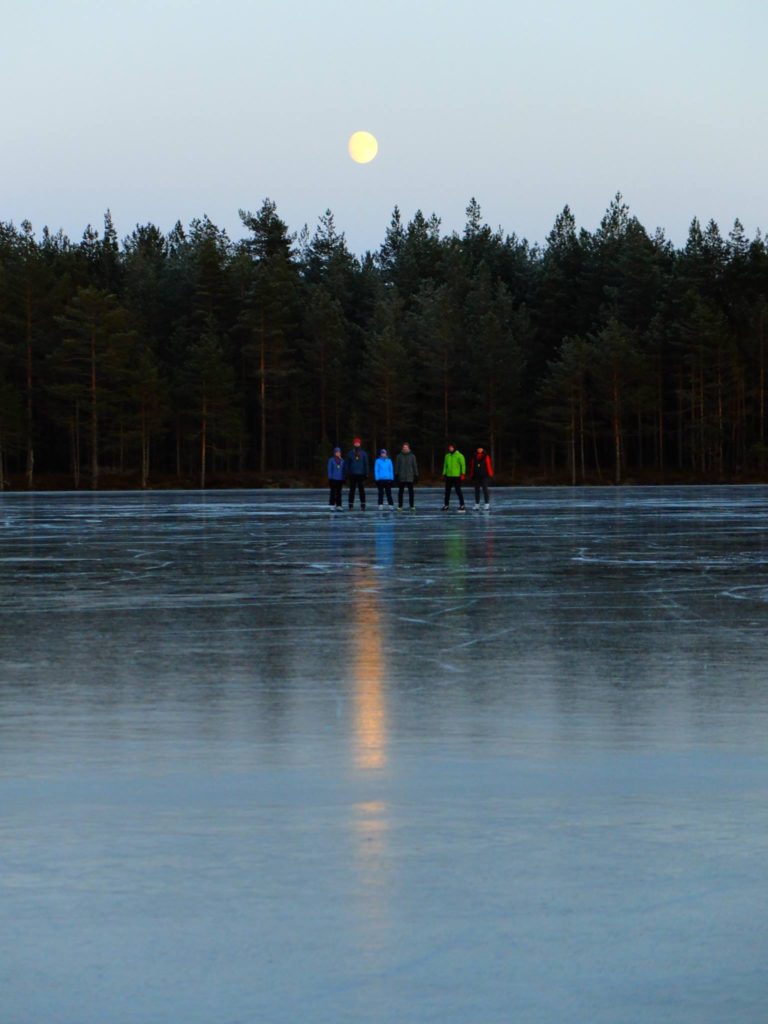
(336,476)
(406,474)
(356,466)
(480,473)
(454,468)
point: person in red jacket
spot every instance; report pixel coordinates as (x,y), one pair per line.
(480,473)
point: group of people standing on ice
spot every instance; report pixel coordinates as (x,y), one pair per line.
(354,468)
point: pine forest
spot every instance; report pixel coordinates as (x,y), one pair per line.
(188,359)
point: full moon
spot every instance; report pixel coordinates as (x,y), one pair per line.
(363,147)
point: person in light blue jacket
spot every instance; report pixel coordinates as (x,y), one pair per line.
(384,475)
(337,473)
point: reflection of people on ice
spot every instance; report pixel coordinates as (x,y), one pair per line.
(406,474)
(356,465)
(336,475)
(383,475)
(480,473)
(454,468)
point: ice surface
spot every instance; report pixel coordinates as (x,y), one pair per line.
(263,763)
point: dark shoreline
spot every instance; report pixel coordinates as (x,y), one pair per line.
(288,481)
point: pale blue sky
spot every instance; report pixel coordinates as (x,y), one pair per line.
(174,108)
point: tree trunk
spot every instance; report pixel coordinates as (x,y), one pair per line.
(660,426)
(492,426)
(94,418)
(388,411)
(720,439)
(74,425)
(694,433)
(203,441)
(144,448)
(761,394)
(145,465)
(445,397)
(323,418)
(702,423)
(29,407)
(680,454)
(263,397)
(596,452)
(616,429)
(178,448)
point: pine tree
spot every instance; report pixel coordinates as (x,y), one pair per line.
(326,333)
(92,353)
(388,375)
(210,396)
(496,331)
(614,372)
(437,325)
(564,401)
(269,314)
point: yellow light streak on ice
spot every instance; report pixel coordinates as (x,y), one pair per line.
(370,711)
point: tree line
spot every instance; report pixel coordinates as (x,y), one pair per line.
(190,357)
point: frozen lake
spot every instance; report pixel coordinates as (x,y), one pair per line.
(259,763)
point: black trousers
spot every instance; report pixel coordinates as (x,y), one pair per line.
(400,490)
(452,482)
(334,498)
(384,486)
(486,494)
(356,483)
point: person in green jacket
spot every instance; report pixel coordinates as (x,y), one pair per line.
(454,468)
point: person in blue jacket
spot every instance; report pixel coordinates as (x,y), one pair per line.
(384,475)
(356,466)
(336,476)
